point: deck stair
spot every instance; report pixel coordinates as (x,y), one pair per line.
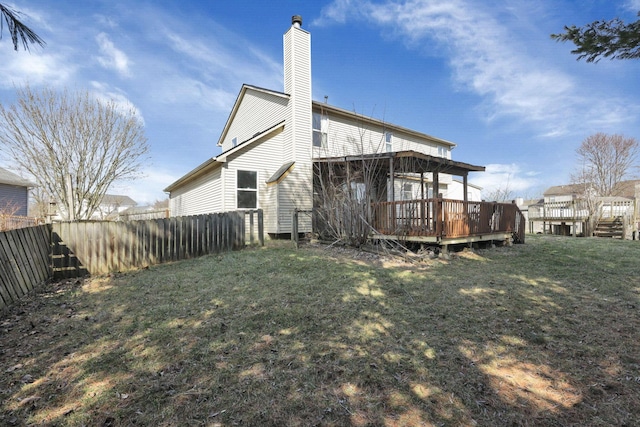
(610,227)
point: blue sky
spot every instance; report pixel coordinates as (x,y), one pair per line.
(483,74)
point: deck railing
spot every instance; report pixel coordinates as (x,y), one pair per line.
(446,218)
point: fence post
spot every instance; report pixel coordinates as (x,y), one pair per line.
(294,228)
(251,227)
(261,226)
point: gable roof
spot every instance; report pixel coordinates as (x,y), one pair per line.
(10,178)
(243,90)
(627,188)
(221,158)
(622,189)
(115,199)
(565,190)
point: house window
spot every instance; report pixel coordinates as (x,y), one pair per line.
(442,151)
(407,191)
(247,190)
(320,124)
(234,141)
(388,141)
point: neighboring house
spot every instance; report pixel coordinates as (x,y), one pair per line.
(14,194)
(455,189)
(530,207)
(564,210)
(109,209)
(112,205)
(143,213)
(273,142)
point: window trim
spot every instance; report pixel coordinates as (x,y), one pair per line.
(388,141)
(246,189)
(322,130)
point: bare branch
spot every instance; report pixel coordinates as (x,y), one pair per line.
(73,145)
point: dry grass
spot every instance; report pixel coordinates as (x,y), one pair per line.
(546,333)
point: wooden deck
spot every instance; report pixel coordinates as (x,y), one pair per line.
(445,221)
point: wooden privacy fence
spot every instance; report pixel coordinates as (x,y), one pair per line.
(100,247)
(24,262)
(11,222)
(31,256)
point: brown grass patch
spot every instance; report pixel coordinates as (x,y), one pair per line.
(546,333)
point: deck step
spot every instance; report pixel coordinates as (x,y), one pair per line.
(610,228)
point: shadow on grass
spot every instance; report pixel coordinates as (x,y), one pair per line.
(538,334)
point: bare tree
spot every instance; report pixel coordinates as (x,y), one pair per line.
(73,145)
(17,29)
(502,193)
(605,161)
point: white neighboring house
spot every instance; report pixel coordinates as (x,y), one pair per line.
(109,209)
(272,139)
(111,206)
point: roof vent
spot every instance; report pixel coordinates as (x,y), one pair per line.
(296,21)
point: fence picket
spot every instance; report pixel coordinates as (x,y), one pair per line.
(33,255)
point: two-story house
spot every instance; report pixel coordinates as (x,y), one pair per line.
(275,142)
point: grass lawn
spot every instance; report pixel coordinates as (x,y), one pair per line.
(546,333)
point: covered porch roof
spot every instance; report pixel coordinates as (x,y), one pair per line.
(408,162)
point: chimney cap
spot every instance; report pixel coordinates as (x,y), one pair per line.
(296,21)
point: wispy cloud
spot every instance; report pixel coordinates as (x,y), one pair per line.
(488,59)
(632,5)
(506,178)
(17,68)
(108,94)
(112,57)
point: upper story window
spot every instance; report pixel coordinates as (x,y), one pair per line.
(388,141)
(443,151)
(320,124)
(234,141)
(247,196)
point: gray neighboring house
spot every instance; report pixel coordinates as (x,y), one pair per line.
(14,193)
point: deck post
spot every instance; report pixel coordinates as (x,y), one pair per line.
(437,205)
(392,189)
(422,215)
(465,196)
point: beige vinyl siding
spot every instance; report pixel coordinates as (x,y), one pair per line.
(350,137)
(199,196)
(263,157)
(258,111)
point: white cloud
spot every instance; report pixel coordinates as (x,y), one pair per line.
(488,58)
(17,68)
(106,94)
(506,178)
(112,57)
(632,5)
(148,188)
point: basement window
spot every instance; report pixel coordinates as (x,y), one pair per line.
(247,190)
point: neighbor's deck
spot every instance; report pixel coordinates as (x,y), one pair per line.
(445,221)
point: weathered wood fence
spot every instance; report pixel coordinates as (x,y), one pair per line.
(32,256)
(24,262)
